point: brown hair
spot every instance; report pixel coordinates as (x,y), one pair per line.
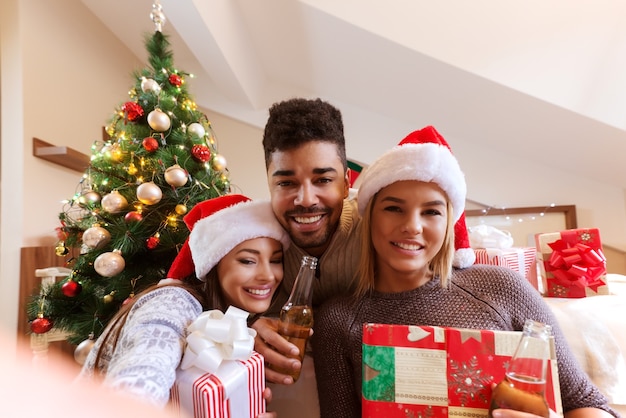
(440,265)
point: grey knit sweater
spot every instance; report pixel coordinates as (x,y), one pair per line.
(479,297)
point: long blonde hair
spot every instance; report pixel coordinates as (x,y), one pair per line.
(440,265)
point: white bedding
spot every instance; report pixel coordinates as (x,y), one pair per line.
(595,328)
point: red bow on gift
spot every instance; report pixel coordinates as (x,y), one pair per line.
(576,265)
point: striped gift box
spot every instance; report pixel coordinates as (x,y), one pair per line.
(235,390)
(520,259)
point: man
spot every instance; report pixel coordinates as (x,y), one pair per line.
(307,173)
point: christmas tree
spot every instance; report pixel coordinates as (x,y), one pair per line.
(158,160)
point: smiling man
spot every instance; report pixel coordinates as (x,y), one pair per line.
(305,157)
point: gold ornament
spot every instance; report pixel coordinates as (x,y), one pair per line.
(96,237)
(180,209)
(159,121)
(149,193)
(109,264)
(132,169)
(176,176)
(108,298)
(61,249)
(115,153)
(114,202)
(89,198)
(219,162)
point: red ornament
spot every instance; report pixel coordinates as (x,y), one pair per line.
(150,144)
(175,80)
(132,110)
(71,288)
(201,153)
(62,234)
(133,216)
(152,242)
(128,299)
(41,325)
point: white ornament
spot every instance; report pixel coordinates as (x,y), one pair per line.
(149,193)
(159,121)
(176,176)
(149,85)
(196,129)
(219,162)
(96,237)
(109,264)
(114,202)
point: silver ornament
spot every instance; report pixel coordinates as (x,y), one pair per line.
(159,121)
(114,202)
(176,176)
(196,129)
(83,349)
(109,264)
(219,162)
(149,193)
(96,237)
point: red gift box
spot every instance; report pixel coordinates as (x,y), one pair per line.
(521,259)
(437,371)
(573,264)
(235,390)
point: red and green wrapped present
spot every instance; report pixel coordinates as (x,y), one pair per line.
(220,376)
(521,259)
(432,372)
(572,263)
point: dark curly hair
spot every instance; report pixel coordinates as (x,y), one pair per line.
(296,121)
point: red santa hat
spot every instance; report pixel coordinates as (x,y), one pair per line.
(423,155)
(217,226)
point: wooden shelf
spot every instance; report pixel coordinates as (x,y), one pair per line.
(64,156)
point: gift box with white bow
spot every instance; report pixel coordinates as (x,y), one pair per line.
(436,371)
(220,375)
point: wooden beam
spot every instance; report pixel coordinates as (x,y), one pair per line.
(64,156)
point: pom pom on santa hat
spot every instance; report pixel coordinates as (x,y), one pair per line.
(423,155)
(217,226)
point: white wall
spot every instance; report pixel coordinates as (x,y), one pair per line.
(63,73)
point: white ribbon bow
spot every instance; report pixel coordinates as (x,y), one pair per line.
(215,337)
(487,236)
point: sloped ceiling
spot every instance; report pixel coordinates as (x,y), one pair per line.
(548,75)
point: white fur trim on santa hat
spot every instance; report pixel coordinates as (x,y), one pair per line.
(216,235)
(426,162)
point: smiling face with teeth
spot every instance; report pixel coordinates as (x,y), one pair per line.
(409,225)
(307,186)
(250,273)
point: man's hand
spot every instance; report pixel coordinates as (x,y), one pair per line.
(275,349)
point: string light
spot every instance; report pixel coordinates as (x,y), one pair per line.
(532,217)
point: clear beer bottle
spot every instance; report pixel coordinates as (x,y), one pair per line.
(524,384)
(296,316)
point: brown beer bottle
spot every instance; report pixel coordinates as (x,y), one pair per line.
(296,316)
(524,384)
